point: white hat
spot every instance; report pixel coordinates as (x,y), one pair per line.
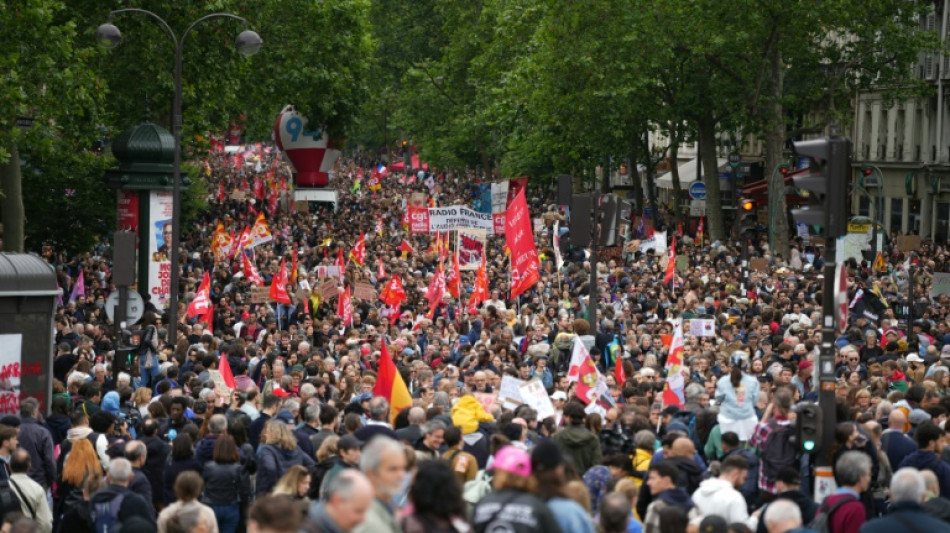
(914,358)
(559,395)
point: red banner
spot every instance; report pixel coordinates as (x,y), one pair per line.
(418,219)
(525,265)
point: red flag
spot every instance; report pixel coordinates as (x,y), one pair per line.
(699,233)
(389,383)
(202,301)
(405,247)
(671,263)
(454,279)
(278,285)
(259,188)
(293,266)
(272,202)
(619,374)
(339,262)
(244,186)
(250,273)
(382,271)
(405,221)
(358,255)
(525,265)
(208,319)
(480,293)
(679,229)
(344,307)
(222,195)
(225,368)
(436,290)
(393,293)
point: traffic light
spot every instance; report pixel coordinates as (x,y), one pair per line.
(866,171)
(746,205)
(809,428)
(784,170)
(827,182)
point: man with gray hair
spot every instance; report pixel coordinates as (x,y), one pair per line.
(906,513)
(136,453)
(384,462)
(378,423)
(844,508)
(309,425)
(38,442)
(350,496)
(412,433)
(430,444)
(204,450)
(132,505)
(783,516)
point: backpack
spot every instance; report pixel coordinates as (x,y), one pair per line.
(145,344)
(9,502)
(105,515)
(822,521)
(476,489)
(779,450)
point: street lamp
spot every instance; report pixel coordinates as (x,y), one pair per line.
(247,43)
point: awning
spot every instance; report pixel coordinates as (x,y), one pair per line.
(687,174)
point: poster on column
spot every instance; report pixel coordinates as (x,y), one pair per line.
(159,247)
(128,202)
(11,353)
(471,248)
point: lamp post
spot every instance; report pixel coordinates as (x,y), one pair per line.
(248,42)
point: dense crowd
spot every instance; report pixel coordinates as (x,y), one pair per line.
(301,443)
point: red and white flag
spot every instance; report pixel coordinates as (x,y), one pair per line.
(436,290)
(525,265)
(591,385)
(278,285)
(381,273)
(202,301)
(480,292)
(250,272)
(673,389)
(358,255)
(454,280)
(340,264)
(344,307)
(393,294)
(671,263)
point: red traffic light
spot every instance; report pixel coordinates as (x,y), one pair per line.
(784,170)
(867,171)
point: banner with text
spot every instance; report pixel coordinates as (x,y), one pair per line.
(159,247)
(451,218)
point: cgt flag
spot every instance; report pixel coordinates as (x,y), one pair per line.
(202,302)
(278,285)
(250,272)
(525,265)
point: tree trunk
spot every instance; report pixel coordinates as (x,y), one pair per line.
(775,145)
(635,176)
(675,174)
(13,212)
(651,179)
(707,140)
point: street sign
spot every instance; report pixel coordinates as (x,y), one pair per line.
(697,208)
(859,227)
(735,159)
(134,307)
(697,190)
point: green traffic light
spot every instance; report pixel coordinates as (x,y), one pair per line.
(809,445)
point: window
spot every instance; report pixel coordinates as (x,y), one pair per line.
(897,214)
(943,215)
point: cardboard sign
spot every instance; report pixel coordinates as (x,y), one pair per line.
(940,284)
(260,295)
(328,289)
(219,383)
(364,291)
(486,399)
(301,206)
(509,393)
(238,195)
(535,395)
(682,263)
(908,243)
(759,264)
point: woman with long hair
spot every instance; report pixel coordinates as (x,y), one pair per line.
(277,454)
(226,483)
(182,459)
(737,394)
(81,463)
(295,483)
(547,467)
(436,497)
(513,494)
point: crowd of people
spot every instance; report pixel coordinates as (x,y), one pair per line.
(302,443)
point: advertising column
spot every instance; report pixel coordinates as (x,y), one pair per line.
(159,247)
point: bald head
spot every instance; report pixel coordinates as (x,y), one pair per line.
(417,416)
(897,420)
(683,447)
(930,483)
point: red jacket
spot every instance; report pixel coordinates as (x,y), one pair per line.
(848,518)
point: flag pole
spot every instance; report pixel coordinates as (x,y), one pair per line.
(458,246)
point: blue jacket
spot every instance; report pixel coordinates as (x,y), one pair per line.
(897,446)
(909,517)
(273,462)
(728,398)
(924,459)
(38,442)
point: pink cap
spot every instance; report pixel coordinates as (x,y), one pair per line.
(513,460)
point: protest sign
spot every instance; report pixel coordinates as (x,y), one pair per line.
(940,284)
(260,295)
(328,289)
(702,327)
(509,393)
(759,264)
(536,396)
(908,243)
(364,291)
(219,383)
(486,399)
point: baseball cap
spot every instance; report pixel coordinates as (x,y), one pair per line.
(349,442)
(559,395)
(914,358)
(512,460)
(284,416)
(804,365)
(280,393)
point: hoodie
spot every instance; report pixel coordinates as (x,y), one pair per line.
(273,462)
(927,460)
(718,497)
(582,446)
(110,403)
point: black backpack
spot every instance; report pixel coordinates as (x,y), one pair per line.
(9,502)
(105,515)
(779,451)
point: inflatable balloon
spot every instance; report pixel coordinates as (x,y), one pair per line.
(309,148)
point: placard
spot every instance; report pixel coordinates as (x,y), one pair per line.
(657,243)
(301,206)
(486,399)
(259,295)
(759,264)
(940,284)
(509,393)
(159,237)
(536,396)
(240,196)
(682,263)
(328,290)
(328,271)
(702,327)
(364,291)
(219,383)
(11,363)
(908,243)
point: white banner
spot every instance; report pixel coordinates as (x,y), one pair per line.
(657,243)
(159,247)
(534,394)
(702,327)
(457,217)
(11,356)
